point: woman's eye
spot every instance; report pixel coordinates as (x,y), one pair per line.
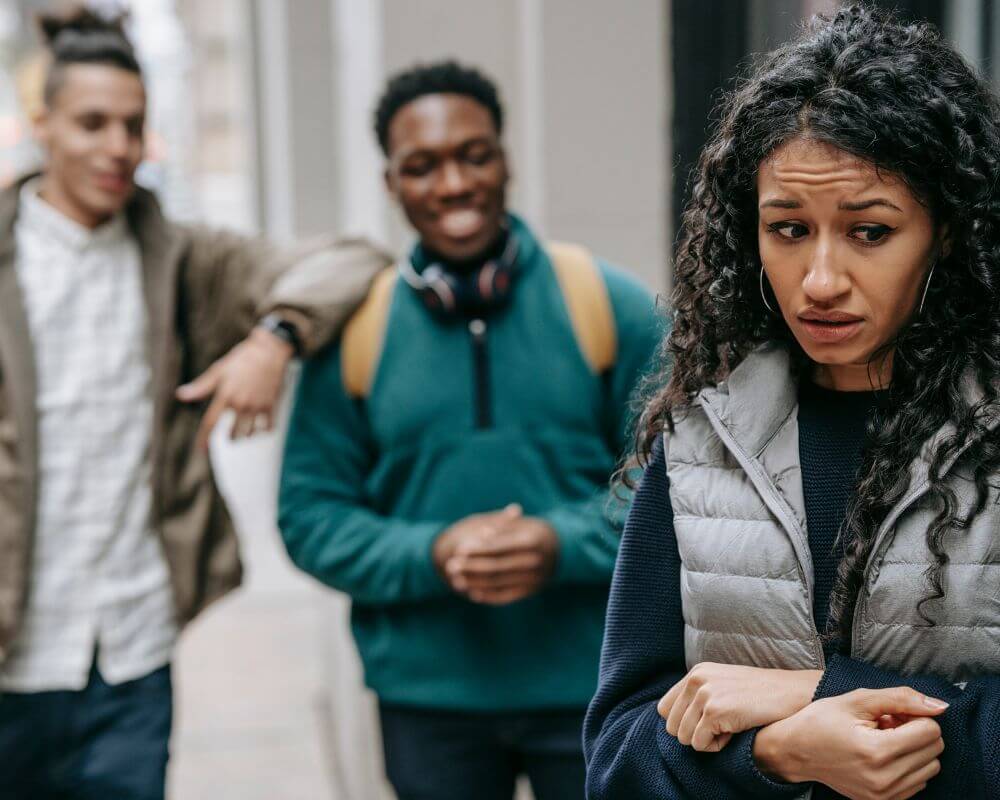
(789,230)
(871,234)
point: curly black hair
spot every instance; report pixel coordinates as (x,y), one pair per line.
(900,98)
(81,36)
(442,77)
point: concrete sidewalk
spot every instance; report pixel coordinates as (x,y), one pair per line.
(251,711)
(270,697)
(250,676)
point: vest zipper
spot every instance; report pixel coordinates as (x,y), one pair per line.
(923,484)
(480,375)
(888,523)
(777,505)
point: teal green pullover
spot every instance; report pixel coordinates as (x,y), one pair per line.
(368,485)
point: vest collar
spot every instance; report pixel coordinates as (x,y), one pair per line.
(757,398)
(760,394)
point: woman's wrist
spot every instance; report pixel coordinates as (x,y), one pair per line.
(773,755)
(807,683)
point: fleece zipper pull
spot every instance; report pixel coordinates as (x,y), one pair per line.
(481,374)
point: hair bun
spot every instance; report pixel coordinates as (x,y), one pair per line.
(58,29)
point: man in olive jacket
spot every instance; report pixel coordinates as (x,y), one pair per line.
(123,337)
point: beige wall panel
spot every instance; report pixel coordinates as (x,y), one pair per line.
(605,132)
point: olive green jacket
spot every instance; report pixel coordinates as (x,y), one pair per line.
(203,291)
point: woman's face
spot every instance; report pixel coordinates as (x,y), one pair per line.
(847,251)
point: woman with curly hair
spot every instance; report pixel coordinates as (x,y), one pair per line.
(807,595)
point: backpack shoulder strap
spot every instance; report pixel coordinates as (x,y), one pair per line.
(588,304)
(364,335)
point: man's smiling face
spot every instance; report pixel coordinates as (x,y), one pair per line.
(448,170)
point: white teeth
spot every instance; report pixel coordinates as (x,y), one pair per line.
(461,223)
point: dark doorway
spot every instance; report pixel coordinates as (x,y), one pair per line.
(712,41)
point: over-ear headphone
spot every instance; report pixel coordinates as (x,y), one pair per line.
(449,294)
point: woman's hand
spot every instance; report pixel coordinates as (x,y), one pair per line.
(714,701)
(842,742)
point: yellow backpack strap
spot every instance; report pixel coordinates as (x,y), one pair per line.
(364,334)
(588,303)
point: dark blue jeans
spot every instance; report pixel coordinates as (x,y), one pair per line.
(100,743)
(443,755)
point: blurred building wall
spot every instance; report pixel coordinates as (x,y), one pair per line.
(585,88)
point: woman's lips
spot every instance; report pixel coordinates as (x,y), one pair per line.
(462,223)
(830,332)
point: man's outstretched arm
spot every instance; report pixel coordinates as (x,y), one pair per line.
(232,283)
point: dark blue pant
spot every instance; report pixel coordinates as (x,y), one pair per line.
(100,743)
(442,755)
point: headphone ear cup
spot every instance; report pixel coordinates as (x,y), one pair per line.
(494,283)
(439,294)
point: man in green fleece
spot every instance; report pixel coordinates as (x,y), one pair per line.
(447,464)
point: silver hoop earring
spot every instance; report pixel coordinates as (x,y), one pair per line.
(763,296)
(927,286)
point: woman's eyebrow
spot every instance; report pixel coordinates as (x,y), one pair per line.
(866,204)
(779,203)
(846,206)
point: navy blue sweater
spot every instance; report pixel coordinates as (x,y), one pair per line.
(831,436)
(629,754)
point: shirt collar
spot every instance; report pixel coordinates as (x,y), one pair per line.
(53,224)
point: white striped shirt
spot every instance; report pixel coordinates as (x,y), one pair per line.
(99,578)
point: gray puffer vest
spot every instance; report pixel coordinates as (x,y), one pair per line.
(747,576)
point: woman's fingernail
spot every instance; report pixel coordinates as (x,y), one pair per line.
(933,702)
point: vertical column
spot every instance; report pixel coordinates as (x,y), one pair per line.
(274,123)
(964,26)
(299,169)
(311,94)
(993,47)
(531,68)
(351,737)
(359,68)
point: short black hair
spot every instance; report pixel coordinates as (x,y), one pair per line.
(81,36)
(441,77)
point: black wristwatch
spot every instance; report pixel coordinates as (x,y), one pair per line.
(278,326)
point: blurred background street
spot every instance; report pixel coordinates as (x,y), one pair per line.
(260,121)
